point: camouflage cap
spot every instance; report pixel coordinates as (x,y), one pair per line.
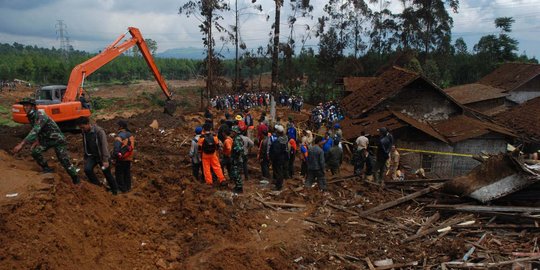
(27,100)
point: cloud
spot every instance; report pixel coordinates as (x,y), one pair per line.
(92,25)
(25,4)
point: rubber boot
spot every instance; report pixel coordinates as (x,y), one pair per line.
(76,179)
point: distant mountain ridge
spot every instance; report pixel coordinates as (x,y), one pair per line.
(189,53)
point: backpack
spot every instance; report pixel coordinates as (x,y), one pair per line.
(291,133)
(209,144)
(242,125)
(278,150)
(121,151)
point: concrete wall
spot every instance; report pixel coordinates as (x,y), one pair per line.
(422,101)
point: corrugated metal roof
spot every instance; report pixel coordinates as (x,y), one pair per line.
(474,92)
(510,76)
(524,118)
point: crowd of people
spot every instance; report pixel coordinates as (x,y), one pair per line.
(327,113)
(252,100)
(279,145)
(223,148)
(240,101)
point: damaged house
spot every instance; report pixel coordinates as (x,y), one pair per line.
(421,116)
(525,120)
(507,86)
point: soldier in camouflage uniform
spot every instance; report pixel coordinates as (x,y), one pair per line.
(45,134)
(237,159)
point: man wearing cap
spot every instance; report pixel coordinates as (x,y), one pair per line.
(237,154)
(194,153)
(240,123)
(45,134)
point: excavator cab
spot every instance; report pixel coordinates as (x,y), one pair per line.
(51,94)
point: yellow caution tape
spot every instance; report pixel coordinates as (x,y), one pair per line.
(435,152)
(410,150)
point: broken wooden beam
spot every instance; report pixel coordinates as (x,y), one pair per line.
(341,179)
(488,265)
(265,204)
(501,226)
(380,221)
(418,181)
(482,208)
(290,205)
(429,222)
(397,265)
(401,200)
(445,224)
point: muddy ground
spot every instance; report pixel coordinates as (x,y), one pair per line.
(171,221)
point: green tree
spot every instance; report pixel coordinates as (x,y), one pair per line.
(431,71)
(460,46)
(329,54)
(208,12)
(26,69)
(346,17)
(414,65)
(152,45)
(429,23)
(491,49)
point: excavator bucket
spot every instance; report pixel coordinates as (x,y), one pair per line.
(169,107)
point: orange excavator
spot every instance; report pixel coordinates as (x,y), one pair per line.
(63,103)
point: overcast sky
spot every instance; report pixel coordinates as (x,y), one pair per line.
(93,24)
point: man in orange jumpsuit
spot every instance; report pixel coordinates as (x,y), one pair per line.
(208,146)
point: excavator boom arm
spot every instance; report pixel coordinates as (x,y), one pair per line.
(83,70)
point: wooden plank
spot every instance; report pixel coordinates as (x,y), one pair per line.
(429,222)
(418,181)
(432,230)
(500,226)
(397,265)
(369,263)
(341,179)
(265,204)
(370,218)
(291,205)
(401,200)
(489,265)
(499,214)
(482,208)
